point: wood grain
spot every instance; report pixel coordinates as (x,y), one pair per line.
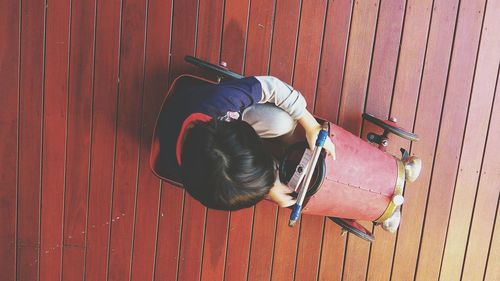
(54,145)
(9,79)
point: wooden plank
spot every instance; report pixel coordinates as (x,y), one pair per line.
(148,194)
(331,75)
(310,37)
(259,36)
(309,248)
(332,252)
(307,57)
(333,58)
(169,228)
(257,57)
(406,90)
(214,246)
(445,168)
(29,138)
(79,117)
(493,268)
(208,46)
(54,135)
(359,52)
(184,22)
(234,36)
(128,138)
(103,139)
(171,198)
(362,34)
(380,89)
(9,79)
(485,207)
(286,24)
(460,82)
(483,96)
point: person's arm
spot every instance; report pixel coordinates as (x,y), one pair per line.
(281,194)
(312,128)
(282,95)
(290,100)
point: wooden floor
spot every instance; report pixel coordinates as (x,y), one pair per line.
(81,87)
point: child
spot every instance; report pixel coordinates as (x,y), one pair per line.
(212,138)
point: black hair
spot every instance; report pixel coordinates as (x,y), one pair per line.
(225,165)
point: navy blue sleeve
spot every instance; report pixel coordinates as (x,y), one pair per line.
(234,95)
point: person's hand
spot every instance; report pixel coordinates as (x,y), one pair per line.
(280,194)
(312,128)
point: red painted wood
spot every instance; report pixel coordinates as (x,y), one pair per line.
(257,57)
(285,30)
(29,139)
(260,28)
(194,213)
(284,39)
(238,245)
(460,83)
(310,38)
(309,248)
(103,138)
(488,192)
(171,198)
(285,247)
(148,195)
(128,138)
(145,238)
(167,257)
(234,34)
(78,138)
(382,74)
(306,73)
(327,103)
(261,252)
(216,229)
(492,268)
(485,126)
(364,20)
(449,143)
(240,223)
(332,252)
(406,89)
(214,247)
(333,57)
(208,37)
(9,79)
(54,135)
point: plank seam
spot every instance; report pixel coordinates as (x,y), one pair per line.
(276,209)
(438,132)
(479,180)
(66,136)
(115,140)
(498,201)
(465,126)
(84,277)
(296,43)
(495,220)
(18,132)
(391,102)
(141,138)
(362,129)
(161,182)
(42,137)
